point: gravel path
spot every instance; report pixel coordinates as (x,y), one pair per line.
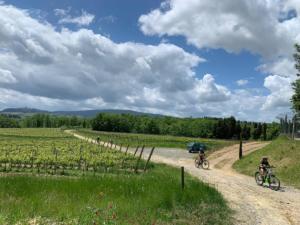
(252,204)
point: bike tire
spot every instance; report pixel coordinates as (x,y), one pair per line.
(205,164)
(258,178)
(274,183)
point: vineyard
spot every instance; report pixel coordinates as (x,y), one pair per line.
(109,187)
(52,151)
(152,140)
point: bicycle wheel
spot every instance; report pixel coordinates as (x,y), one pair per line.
(197,164)
(258,179)
(205,164)
(274,183)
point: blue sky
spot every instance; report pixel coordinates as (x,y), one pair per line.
(201,63)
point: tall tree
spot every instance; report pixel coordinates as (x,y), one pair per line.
(296,85)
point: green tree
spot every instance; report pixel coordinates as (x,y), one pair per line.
(296,85)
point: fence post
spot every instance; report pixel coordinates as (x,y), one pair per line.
(148,160)
(138,161)
(127,149)
(241,148)
(125,156)
(137,148)
(182,178)
(293,132)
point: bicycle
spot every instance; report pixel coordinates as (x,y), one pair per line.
(203,163)
(272,181)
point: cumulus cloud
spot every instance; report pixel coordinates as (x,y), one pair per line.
(263,27)
(209,91)
(231,25)
(84,19)
(81,66)
(242,82)
(281,92)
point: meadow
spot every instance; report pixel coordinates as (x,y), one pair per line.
(134,140)
(45,195)
(283,153)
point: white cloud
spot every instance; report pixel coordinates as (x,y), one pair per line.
(263,27)
(207,90)
(281,92)
(231,25)
(7,77)
(242,82)
(84,19)
(61,12)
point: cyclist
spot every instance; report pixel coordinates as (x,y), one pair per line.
(263,166)
(201,155)
(98,140)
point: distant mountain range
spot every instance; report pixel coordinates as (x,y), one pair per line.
(83,113)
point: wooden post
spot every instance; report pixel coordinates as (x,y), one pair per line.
(126,149)
(241,148)
(293,132)
(182,178)
(148,160)
(138,161)
(137,148)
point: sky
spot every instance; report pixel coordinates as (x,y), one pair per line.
(189,58)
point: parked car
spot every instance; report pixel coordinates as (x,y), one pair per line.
(195,147)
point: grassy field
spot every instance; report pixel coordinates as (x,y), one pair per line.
(154,197)
(153,140)
(283,153)
(36,133)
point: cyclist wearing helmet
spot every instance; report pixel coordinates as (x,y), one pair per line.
(201,155)
(264,164)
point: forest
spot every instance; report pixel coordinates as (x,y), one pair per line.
(221,128)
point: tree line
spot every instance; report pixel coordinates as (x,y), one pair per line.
(43,120)
(222,128)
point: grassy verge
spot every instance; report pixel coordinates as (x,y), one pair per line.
(283,153)
(151,198)
(153,140)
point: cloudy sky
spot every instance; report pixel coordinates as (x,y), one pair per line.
(184,58)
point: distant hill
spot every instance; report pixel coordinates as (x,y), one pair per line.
(22,110)
(81,113)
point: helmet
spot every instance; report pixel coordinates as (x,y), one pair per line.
(264,157)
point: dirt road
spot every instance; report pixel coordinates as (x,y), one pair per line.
(252,204)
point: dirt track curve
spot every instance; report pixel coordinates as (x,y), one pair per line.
(252,204)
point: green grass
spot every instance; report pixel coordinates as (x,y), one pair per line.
(283,153)
(151,198)
(33,133)
(153,140)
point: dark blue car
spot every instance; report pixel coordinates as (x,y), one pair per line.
(195,147)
